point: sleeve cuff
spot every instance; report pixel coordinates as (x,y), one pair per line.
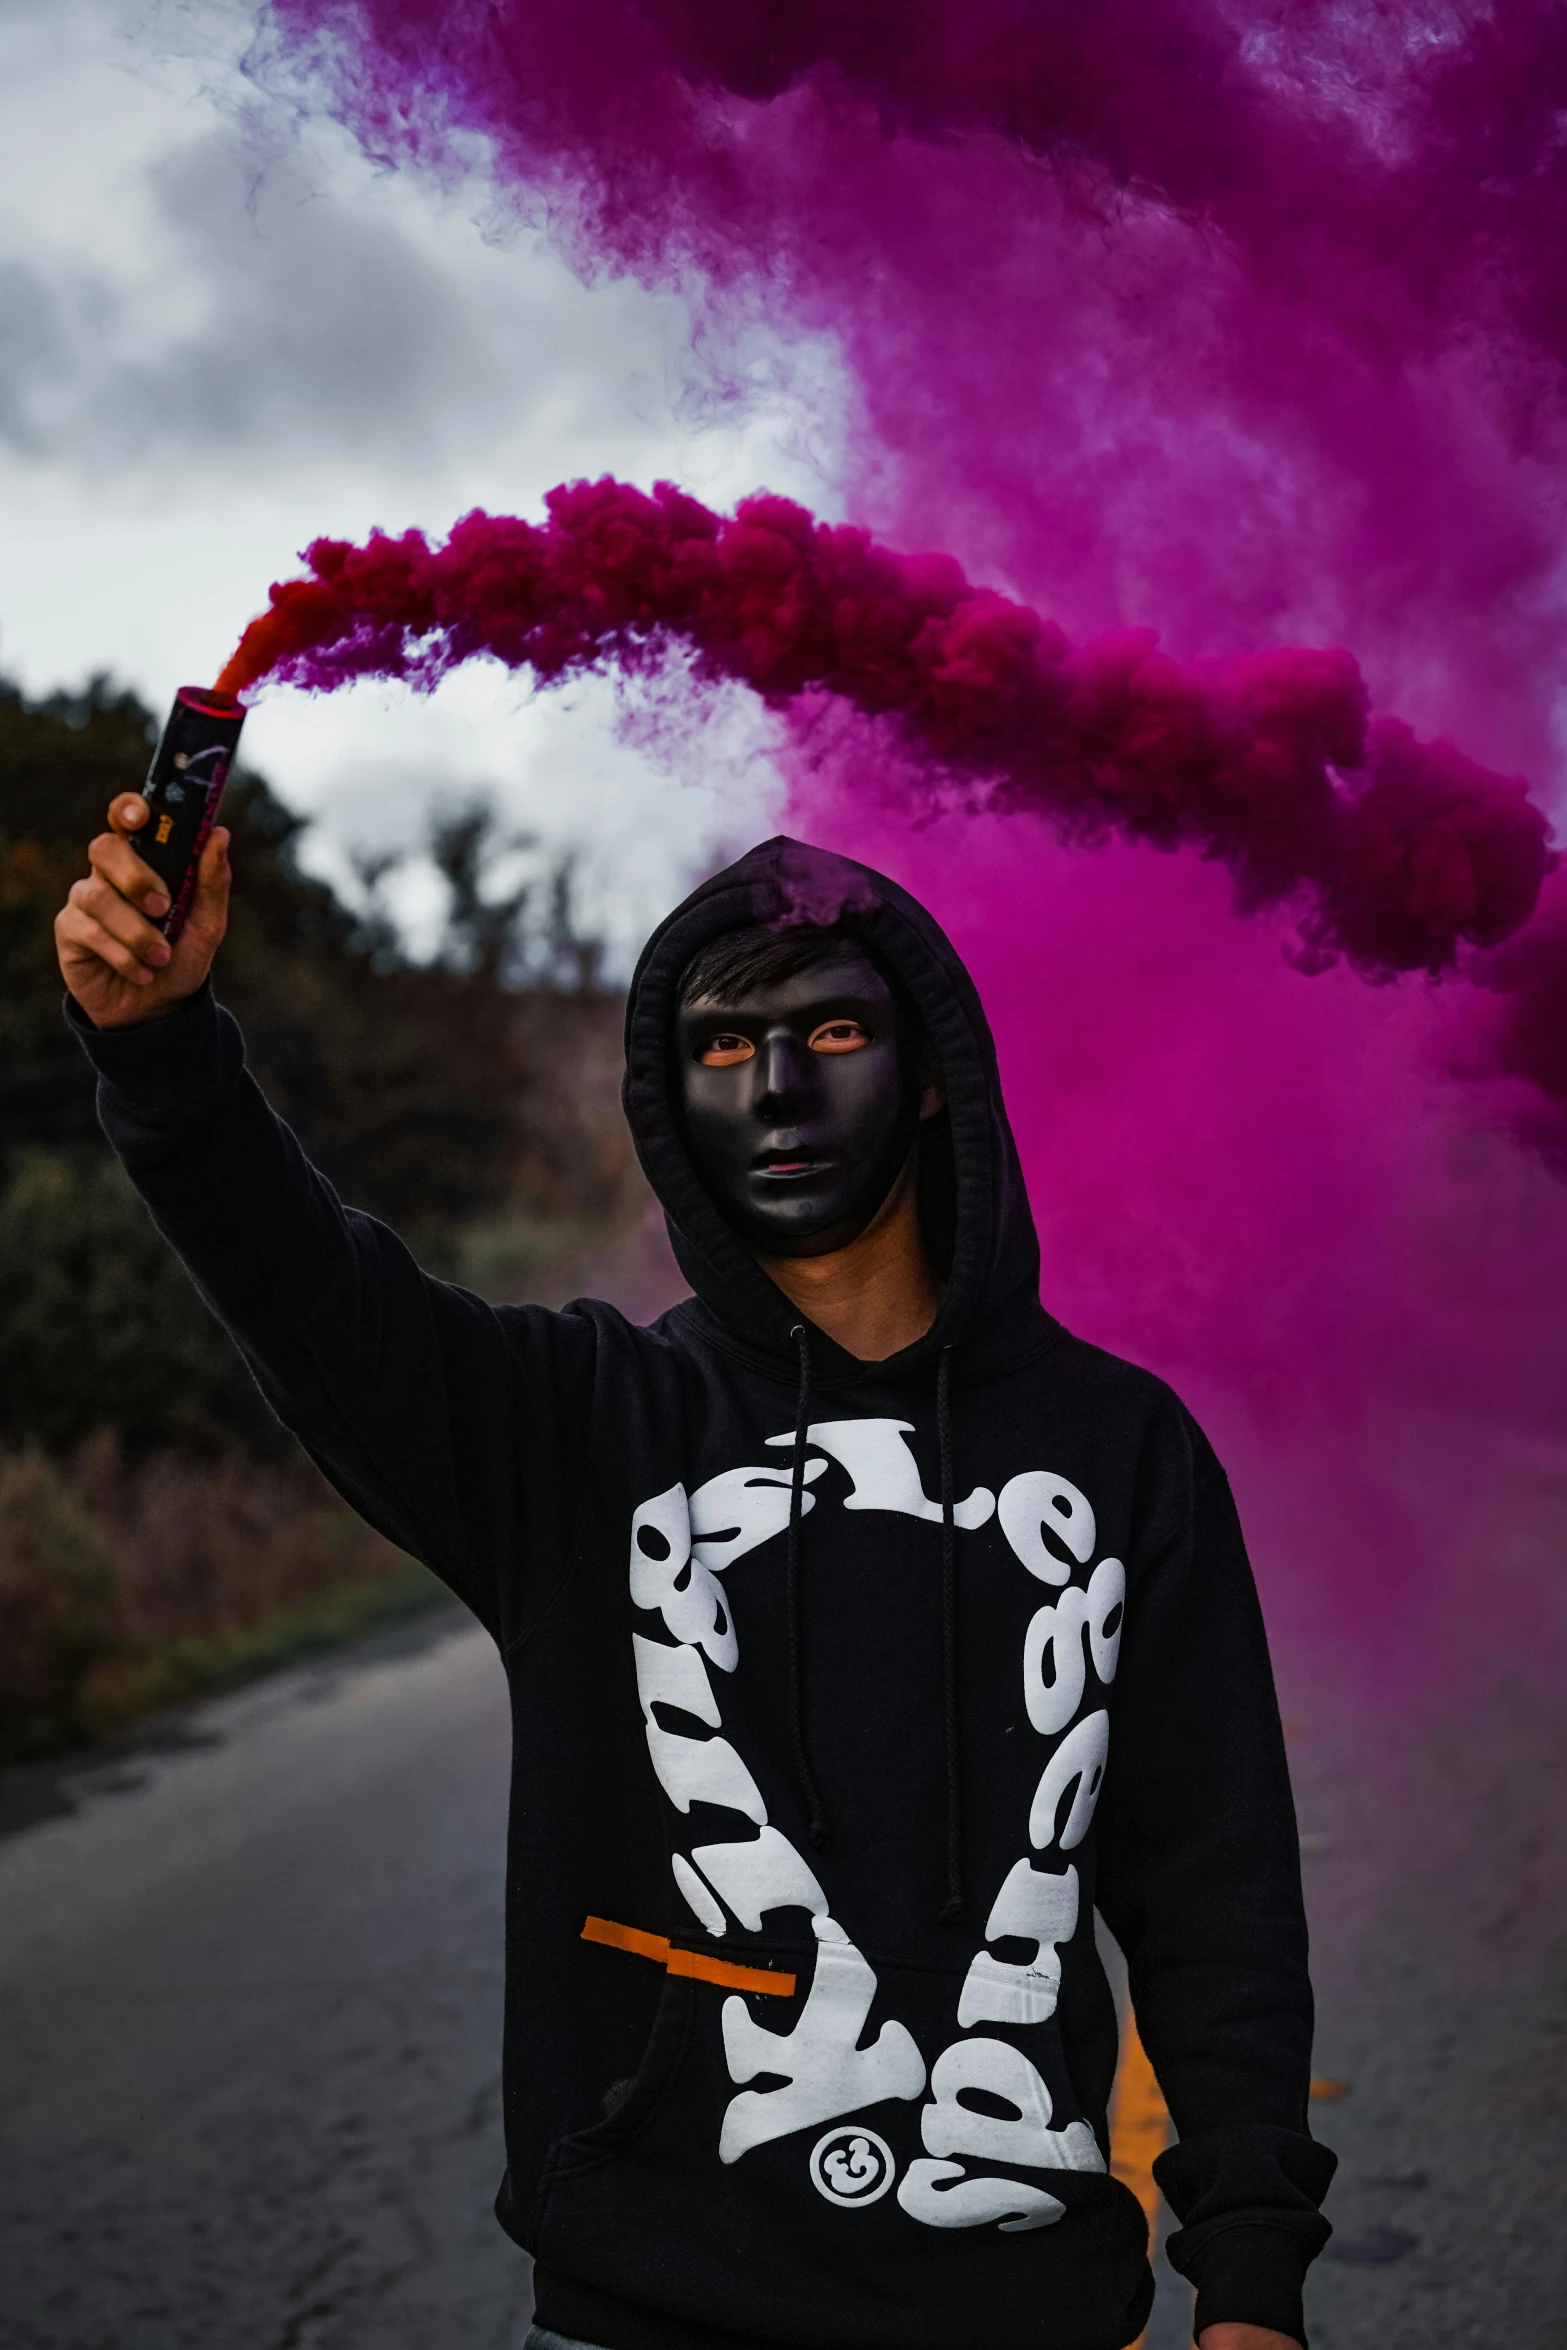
(163,1068)
(1249,2202)
(1247,2275)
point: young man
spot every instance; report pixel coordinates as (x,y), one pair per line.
(865,1631)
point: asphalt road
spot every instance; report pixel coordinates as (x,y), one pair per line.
(251,1990)
(1436,1879)
(252,1997)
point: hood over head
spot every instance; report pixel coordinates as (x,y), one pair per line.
(991,1311)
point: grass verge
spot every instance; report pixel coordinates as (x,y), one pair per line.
(127,1586)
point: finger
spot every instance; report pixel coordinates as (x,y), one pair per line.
(79,935)
(128,813)
(105,906)
(128,873)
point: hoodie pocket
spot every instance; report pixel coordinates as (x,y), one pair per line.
(837,2232)
(588,2150)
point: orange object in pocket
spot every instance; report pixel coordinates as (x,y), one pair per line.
(694,1963)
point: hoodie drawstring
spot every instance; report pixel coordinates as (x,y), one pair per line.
(816,1818)
(952,1910)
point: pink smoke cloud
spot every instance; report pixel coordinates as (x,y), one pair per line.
(1245,325)
(1398,854)
(1242,323)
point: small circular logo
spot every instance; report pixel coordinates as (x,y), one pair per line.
(852,2166)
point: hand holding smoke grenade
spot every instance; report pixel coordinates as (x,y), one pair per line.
(184,785)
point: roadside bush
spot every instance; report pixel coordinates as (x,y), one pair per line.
(471,1100)
(126,1584)
(158,1533)
(58,1603)
(101,1326)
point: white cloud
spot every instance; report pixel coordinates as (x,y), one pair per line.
(219,340)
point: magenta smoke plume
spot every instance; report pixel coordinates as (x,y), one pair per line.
(1240,320)
(1401,166)
(1245,321)
(1400,854)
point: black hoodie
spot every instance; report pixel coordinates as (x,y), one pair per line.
(832,1727)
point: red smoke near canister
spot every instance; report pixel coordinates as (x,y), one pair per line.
(1399,854)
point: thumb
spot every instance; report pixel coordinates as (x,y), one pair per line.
(209,910)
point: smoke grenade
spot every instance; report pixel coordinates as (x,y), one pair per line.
(184,785)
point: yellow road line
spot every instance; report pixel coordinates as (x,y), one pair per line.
(1139,2127)
(1139,2121)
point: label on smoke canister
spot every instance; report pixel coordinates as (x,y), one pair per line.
(184,785)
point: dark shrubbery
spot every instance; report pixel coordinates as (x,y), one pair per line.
(408,1082)
(471,1100)
(473,1095)
(99,1326)
(128,1583)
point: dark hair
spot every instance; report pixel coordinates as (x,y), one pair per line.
(739,960)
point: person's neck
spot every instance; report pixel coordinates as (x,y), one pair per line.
(877,1295)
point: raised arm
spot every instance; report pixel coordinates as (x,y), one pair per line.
(446,1424)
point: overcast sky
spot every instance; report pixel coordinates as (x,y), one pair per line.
(219,338)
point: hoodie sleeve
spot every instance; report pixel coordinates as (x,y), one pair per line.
(415,1398)
(1200,1884)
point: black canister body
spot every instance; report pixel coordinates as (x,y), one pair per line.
(184,785)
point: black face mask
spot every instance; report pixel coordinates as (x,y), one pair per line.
(800,1106)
